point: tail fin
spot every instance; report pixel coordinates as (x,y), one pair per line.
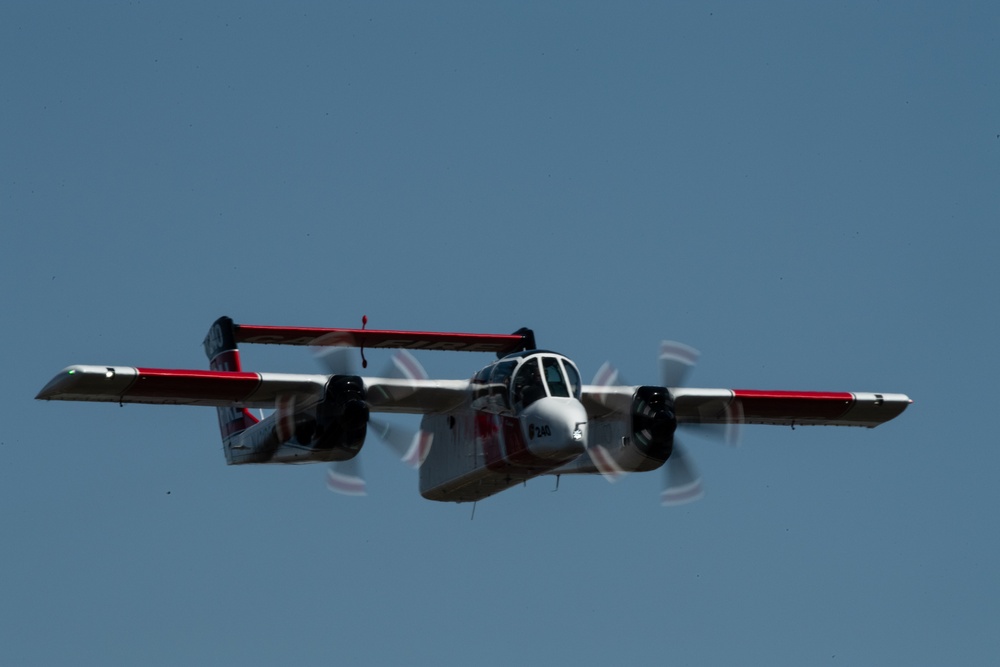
(223,355)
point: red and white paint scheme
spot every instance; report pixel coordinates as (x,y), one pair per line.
(523,415)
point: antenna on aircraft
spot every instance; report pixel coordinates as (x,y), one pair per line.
(364,323)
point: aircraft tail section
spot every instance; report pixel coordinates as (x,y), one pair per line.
(223,355)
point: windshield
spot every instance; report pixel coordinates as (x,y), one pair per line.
(542,376)
(574,378)
(554,377)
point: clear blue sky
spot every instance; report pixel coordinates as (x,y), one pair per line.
(808,193)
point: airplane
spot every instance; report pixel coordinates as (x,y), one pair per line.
(525,414)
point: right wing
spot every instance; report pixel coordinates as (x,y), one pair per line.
(125,384)
(787,408)
(752,406)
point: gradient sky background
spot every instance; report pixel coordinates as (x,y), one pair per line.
(808,193)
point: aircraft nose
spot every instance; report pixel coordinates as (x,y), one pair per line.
(555,428)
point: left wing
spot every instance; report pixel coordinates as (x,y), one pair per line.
(752,406)
(126,384)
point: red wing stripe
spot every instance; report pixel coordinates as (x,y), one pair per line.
(790,405)
(207,385)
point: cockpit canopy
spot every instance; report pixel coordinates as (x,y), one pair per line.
(517,381)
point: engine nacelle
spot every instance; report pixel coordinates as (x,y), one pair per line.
(336,426)
(342,418)
(653,422)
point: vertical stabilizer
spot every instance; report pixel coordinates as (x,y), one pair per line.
(223,355)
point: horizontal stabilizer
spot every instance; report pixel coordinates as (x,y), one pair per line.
(375,338)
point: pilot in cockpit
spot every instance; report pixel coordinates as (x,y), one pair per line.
(528,386)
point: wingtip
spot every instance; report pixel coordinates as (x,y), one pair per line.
(81,382)
(51,388)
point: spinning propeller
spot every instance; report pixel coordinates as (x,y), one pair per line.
(412,446)
(682,483)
